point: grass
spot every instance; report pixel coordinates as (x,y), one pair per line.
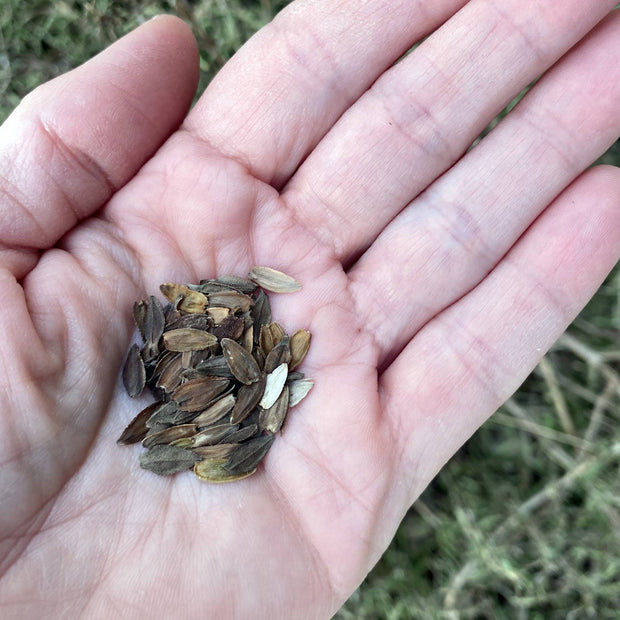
(523,522)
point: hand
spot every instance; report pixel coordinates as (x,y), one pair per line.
(434,279)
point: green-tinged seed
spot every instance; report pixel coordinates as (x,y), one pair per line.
(212,470)
(164,460)
(248,455)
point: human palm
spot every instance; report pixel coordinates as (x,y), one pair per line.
(430,296)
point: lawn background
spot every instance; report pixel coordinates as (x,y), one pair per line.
(523,522)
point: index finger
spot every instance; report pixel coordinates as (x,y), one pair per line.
(277,97)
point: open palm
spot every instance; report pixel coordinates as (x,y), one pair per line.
(433,281)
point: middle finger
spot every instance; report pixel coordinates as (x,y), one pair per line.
(422,115)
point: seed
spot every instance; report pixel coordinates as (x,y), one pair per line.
(273,280)
(222,373)
(241,363)
(188,339)
(134,374)
(273,386)
(165,460)
(248,455)
(272,419)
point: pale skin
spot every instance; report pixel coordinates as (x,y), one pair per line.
(433,282)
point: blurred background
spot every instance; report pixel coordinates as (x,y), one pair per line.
(524,521)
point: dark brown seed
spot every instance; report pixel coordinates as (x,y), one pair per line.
(134,373)
(188,339)
(273,280)
(196,321)
(197,395)
(247,398)
(170,376)
(214,366)
(164,460)
(272,419)
(242,434)
(241,363)
(248,455)
(212,470)
(300,343)
(231,327)
(168,435)
(280,354)
(137,429)
(260,313)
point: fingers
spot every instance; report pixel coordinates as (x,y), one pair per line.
(477,352)
(286,87)
(75,140)
(451,236)
(423,114)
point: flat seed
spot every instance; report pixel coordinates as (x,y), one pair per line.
(184,299)
(134,373)
(280,354)
(162,414)
(273,280)
(231,300)
(248,455)
(170,377)
(197,394)
(260,313)
(197,321)
(214,434)
(216,411)
(231,327)
(221,451)
(240,284)
(164,460)
(247,398)
(139,316)
(137,429)
(188,339)
(298,390)
(300,343)
(241,363)
(168,435)
(247,432)
(154,321)
(273,386)
(214,366)
(272,419)
(212,470)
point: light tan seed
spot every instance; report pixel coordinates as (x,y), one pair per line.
(216,411)
(273,386)
(298,390)
(168,435)
(184,299)
(299,343)
(273,280)
(212,470)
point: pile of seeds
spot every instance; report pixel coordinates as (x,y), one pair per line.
(222,373)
